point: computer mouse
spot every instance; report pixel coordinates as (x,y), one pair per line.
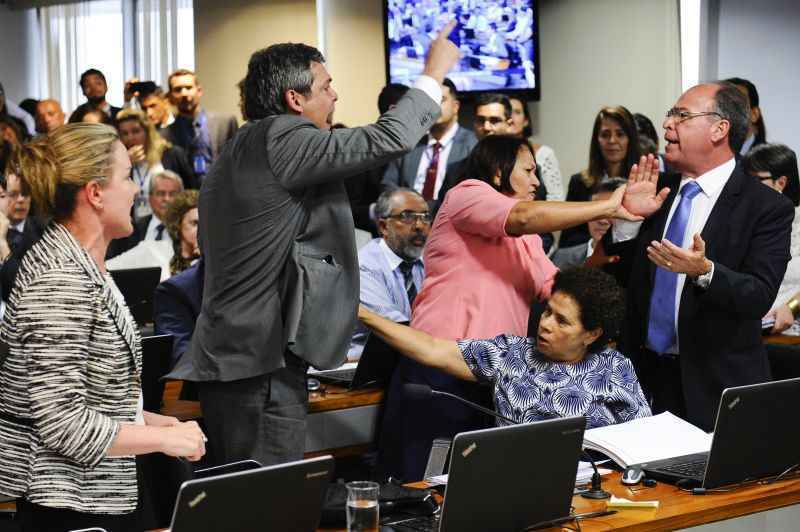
(632,476)
(313,385)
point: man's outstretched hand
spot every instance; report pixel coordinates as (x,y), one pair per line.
(642,197)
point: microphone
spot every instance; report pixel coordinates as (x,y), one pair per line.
(423,391)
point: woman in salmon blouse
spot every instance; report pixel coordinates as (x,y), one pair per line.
(484,267)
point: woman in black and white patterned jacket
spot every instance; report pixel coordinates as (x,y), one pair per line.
(71,416)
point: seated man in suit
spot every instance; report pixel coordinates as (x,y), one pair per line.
(177,305)
(23,230)
(201,133)
(390,267)
(447,144)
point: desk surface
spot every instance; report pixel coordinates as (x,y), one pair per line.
(781,339)
(331,397)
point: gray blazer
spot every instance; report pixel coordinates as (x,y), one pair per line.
(221,128)
(570,256)
(403,172)
(278,241)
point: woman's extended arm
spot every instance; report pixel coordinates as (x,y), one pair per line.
(417,345)
(183,439)
(530,217)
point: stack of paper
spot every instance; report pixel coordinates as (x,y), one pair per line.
(647,439)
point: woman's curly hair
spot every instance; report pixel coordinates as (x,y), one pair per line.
(601,302)
(182,203)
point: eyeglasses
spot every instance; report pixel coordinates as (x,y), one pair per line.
(683,115)
(410,217)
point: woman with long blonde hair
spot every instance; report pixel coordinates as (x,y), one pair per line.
(71,416)
(150,154)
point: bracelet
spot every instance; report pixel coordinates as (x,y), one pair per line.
(794,306)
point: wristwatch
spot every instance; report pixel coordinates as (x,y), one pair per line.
(704,281)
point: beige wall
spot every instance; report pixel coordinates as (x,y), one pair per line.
(228,31)
(603,52)
(355,58)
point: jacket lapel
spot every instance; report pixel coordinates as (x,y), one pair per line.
(121,315)
(718,221)
(410,171)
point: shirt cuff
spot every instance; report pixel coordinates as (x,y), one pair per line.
(624,230)
(429,86)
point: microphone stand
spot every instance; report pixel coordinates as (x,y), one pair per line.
(596,490)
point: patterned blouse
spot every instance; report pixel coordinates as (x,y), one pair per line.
(530,387)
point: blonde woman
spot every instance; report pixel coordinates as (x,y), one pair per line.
(181,220)
(150,154)
(71,417)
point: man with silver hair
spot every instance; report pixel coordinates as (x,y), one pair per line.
(390,267)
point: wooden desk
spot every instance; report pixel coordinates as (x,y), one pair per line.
(781,339)
(340,421)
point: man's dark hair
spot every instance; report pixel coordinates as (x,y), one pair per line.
(493,153)
(390,95)
(752,96)
(779,160)
(92,72)
(601,302)
(29,105)
(274,70)
(447,82)
(645,127)
(494,97)
(610,185)
(733,106)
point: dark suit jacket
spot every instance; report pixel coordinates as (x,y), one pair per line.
(403,172)
(175,159)
(221,128)
(177,305)
(8,270)
(278,241)
(362,191)
(747,237)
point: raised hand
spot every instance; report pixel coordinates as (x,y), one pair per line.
(442,54)
(642,197)
(136,153)
(618,208)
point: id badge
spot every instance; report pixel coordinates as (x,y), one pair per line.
(200,165)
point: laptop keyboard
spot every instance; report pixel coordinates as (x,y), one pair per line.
(341,375)
(691,469)
(428,523)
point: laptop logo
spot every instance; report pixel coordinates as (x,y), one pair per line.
(317,474)
(468,451)
(733,403)
(197,500)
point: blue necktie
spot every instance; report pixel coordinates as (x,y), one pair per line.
(661,329)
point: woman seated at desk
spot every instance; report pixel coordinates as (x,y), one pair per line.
(567,370)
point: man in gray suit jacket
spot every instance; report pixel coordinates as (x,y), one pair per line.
(199,132)
(281,281)
(424,168)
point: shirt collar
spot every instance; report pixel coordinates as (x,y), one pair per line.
(391,257)
(20,226)
(446,139)
(711,182)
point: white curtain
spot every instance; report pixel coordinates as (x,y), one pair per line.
(164,38)
(122,38)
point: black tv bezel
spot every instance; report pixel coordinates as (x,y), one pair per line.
(534,94)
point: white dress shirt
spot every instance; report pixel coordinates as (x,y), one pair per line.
(152,230)
(422,170)
(711,184)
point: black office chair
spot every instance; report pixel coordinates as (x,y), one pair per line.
(156,357)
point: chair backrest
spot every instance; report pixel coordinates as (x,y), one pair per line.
(156,358)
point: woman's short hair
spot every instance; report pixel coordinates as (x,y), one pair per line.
(183,202)
(600,300)
(779,160)
(55,167)
(492,154)
(155,144)
(597,163)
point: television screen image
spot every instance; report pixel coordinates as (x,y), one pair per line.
(498,41)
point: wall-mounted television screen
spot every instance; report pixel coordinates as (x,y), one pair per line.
(498,40)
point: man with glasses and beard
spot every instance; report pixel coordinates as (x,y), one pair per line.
(390,267)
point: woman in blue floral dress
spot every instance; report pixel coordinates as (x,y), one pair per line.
(567,370)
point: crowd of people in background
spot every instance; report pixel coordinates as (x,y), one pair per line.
(469,226)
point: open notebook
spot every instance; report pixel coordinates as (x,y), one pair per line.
(647,439)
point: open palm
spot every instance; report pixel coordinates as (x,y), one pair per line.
(642,197)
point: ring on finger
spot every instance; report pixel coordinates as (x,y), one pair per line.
(669,264)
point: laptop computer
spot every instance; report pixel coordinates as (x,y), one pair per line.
(286,497)
(138,286)
(531,468)
(374,368)
(755,437)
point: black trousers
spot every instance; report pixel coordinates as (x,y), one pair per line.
(36,518)
(261,418)
(660,376)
